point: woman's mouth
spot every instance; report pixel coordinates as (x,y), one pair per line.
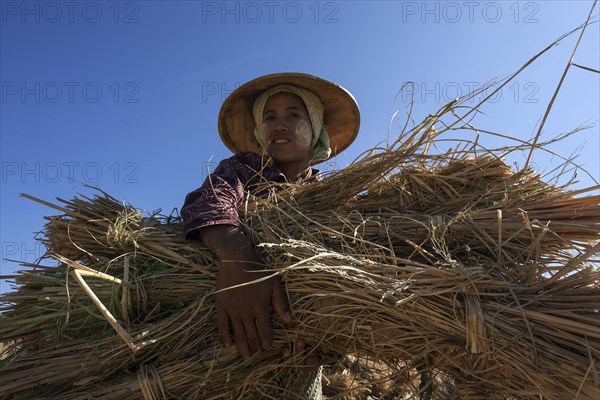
(280,141)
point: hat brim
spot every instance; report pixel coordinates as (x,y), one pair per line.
(341,116)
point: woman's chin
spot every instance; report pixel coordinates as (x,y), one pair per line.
(281,160)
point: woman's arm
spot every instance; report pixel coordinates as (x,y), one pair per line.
(246,308)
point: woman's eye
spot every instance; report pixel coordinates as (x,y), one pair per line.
(268,118)
(293,115)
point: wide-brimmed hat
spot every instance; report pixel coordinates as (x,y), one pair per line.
(341,116)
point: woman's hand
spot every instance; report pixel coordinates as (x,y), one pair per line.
(246,309)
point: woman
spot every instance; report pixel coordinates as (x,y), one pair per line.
(277,126)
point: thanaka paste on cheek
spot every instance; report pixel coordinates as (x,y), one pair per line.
(304,133)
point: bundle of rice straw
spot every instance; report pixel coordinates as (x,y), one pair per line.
(423,265)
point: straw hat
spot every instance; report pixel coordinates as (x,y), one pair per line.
(341,117)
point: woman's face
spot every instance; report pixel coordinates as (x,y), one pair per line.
(286,128)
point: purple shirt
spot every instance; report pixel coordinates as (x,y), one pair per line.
(216,202)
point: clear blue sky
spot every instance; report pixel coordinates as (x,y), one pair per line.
(125,95)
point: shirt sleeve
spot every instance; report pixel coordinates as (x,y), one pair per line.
(217,200)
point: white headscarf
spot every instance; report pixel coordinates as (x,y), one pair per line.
(320,149)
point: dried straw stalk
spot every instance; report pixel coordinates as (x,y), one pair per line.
(469,281)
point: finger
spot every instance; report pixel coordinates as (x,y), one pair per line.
(251,335)
(286,353)
(329,359)
(312,360)
(299,347)
(297,351)
(280,301)
(223,326)
(265,333)
(308,357)
(240,339)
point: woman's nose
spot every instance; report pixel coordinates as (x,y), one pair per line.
(280,126)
